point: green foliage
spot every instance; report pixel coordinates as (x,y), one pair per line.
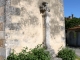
(67,54)
(38,53)
(72,22)
(77,57)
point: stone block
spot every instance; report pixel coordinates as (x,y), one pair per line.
(1,58)
(2,51)
(1,11)
(2,3)
(1,34)
(1,18)
(1,42)
(1,26)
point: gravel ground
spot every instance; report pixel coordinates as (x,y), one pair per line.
(77,51)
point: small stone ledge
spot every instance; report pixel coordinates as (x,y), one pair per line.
(2,43)
(1,58)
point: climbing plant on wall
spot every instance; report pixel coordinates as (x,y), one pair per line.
(72,22)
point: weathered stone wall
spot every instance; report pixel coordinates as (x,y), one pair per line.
(24,25)
(24,28)
(57,25)
(2,37)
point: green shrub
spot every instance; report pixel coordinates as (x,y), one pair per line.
(67,54)
(70,23)
(38,53)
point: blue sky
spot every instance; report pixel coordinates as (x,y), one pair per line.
(71,7)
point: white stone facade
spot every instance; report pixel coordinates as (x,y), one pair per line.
(23,24)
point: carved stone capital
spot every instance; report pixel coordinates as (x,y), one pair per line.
(44,8)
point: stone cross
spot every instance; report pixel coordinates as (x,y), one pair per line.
(44,9)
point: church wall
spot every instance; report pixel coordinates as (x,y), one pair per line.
(21,24)
(24,24)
